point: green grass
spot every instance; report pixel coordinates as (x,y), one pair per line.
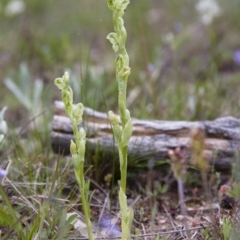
(193,77)
(57,35)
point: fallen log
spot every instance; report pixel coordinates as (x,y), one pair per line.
(152,139)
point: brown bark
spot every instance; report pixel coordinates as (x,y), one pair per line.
(153,138)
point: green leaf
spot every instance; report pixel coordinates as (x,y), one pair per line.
(117,132)
(14,221)
(3,123)
(2,112)
(130,218)
(227,228)
(5,218)
(123,203)
(34,228)
(25,78)
(115,126)
(21,97)
(125,231)
(37,93)
(235,191)
(71,218)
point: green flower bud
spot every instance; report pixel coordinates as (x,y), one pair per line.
(67,95)
(75,156)
(113,118)
(115,125)
(81,149)
(122,5)
(62,83)
(123,36)
(73,147)
(82,133)
(127,114)
(82,143)
(121,13)
(77,137)
(78,112)
(111,4)
(75,161)
(119,62)
(59,83)
(120,23)
(124,72)
(66,78)
(68,109)
(112,37)
(127,133)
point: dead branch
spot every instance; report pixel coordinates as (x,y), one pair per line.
(152,138)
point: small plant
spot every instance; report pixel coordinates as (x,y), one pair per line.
(77,148)
(123,130)
(178,165)
(227,228)
(161,189)
(234,191)
(198,159)
(27,93)
(8,216)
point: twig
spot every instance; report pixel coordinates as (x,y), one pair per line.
(150,234)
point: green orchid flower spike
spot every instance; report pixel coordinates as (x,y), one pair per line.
(77,147)
(123,130)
